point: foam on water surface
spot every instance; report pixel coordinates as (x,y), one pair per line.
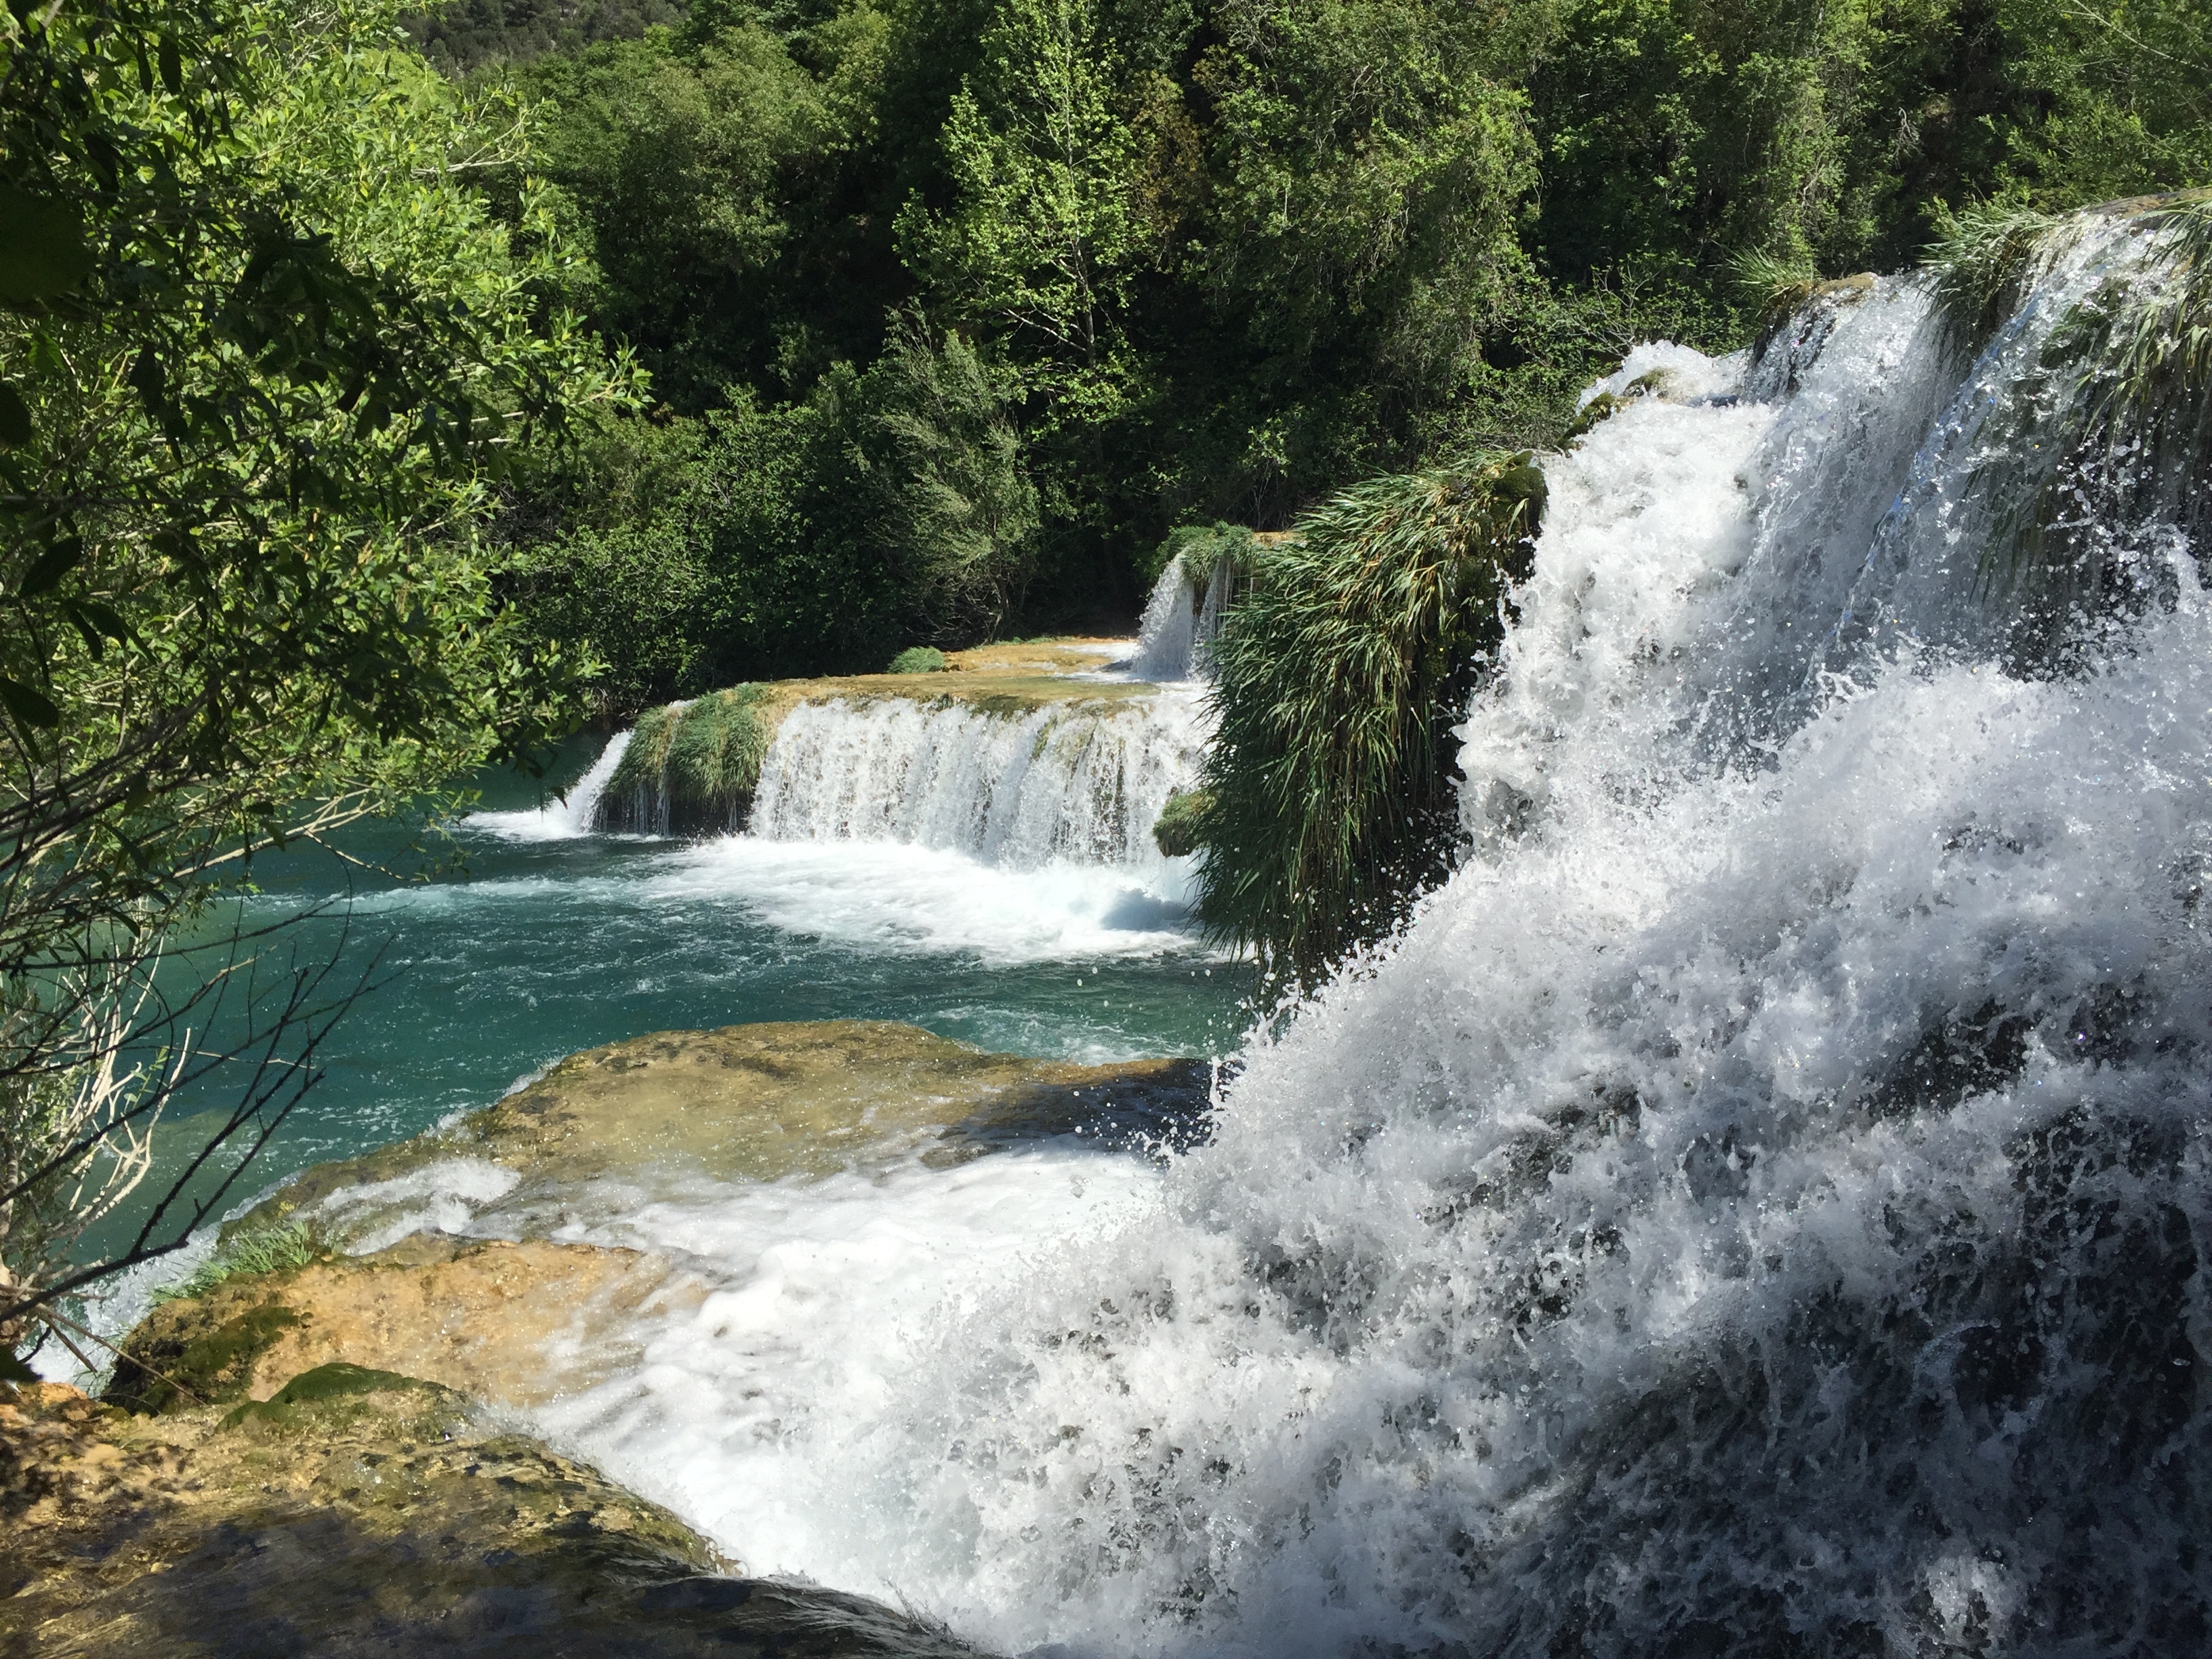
(888,897)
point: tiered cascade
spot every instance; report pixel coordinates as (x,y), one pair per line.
(1756,1207)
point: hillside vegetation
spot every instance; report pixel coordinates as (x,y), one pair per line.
(955,307)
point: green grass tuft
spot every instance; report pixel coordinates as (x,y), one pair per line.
(1326,801)
(272,1250)
(918,659)
(1982,257)
(691,769)
(2120,414)
(1201,547)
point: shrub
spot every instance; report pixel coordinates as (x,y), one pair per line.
(691,769)
(919,659)
(1326,802)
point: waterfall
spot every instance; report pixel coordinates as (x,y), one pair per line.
(1755,1208)
(1180,618)
(1078,783)
(564,816)
(1167,634)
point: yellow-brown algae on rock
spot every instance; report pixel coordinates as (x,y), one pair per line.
(753,1103)
(514,1323)
(359,1512)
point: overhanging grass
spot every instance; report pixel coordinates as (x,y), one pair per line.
(2121,405)
(1326,801)
(271,1249)
(691,769)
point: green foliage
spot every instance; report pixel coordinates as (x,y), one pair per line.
(471,34)
(1200,548)
(691,768)
(2105,100)
(950,501)
(1326,800)
(918,659)
(270,1250)
(267,353)
(237,538)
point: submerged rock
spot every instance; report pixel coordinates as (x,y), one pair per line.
(360,1511)
(759,1102)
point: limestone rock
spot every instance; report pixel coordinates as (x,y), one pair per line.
(359,1512)
(514,1323)
(758,1102)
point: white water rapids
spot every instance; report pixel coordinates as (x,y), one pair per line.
(1755,1209)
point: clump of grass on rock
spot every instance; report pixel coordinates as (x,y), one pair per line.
(1326,801)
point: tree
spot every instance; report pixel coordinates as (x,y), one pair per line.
(265,348)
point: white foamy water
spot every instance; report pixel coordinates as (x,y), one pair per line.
(1756,1208)
(1063,785)
(1180,622)
(893,897)
(563,818)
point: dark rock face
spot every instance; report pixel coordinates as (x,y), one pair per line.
(359,1512)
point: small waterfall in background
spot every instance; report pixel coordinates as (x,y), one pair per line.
(1074,783)
(1758,1205)
(562,817)
(1180,618)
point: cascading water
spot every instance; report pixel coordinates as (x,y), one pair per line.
(1063,783)
(565,816)
(1180,618)
(1755,1208)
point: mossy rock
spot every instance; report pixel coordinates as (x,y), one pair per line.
(201,1350)
(358,1513)
(517,1324)
(758,1102)
(1181,821)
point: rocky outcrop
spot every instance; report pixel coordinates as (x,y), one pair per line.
(301,1461)
(756,1102)
(358,1512)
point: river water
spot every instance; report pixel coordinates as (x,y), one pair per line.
(882,887)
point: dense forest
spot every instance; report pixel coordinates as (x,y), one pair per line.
(954,308)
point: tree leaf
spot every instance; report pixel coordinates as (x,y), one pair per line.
(172,65)
(55,563)
(42,247)
(15,417)
(29,707)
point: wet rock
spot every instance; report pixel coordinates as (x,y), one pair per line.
(758,1102)
(522,1320)
(514,1323)
(362,1512)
